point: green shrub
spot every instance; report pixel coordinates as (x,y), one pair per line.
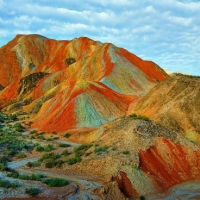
(84,147)
(19,129)
(49,147)
(49,139)
(3,166)
(56,182)
(18,124)
(67,135)
(46,156)
(79,153)
(37,177)
(65,152)
(33,192)
(36,164)
(58,163)
(8,184)
(39,148)
(143,117)
(21,155)
(133,115)
(4,159)
(24,177)
(142,198)
(41,137)
(33,132)
(114,148)
(74,160)
(29,164)
(100,149)
(49,164)
(13,117)
(13,174)
(50,159)
(64,145)
(126,152)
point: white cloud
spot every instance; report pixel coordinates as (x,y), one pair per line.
(163,31)
(150,9)
(184,6)
(1,3)
(114,2)
(3,33)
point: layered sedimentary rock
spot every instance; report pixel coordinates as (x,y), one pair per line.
(170,164)
(64,85)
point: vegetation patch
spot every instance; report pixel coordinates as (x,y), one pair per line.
(9,184)
(56,182)
(64,145)
(74,160)
(33,177)
(33,192)
(21,155)
(114,148)
(134,116)
(49,147)
(67,135)
(65,153)
(99,150)
(51,160)
(126,152)
(39,148)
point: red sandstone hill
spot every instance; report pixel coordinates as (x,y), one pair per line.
(64,85)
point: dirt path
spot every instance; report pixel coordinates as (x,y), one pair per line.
(19,163)
(84,187)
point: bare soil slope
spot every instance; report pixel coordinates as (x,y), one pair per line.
(174,103)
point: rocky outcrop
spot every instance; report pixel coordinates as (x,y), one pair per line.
(1,87)
(28,83)
(110,192)
(70,61)
(170,164)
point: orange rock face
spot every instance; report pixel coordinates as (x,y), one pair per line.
(88,84)
(170,164)
(125,185)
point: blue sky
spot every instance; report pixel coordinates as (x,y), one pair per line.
(164,31)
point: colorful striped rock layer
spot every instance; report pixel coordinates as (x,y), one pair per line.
(63,85)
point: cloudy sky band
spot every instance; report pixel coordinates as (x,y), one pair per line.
(166,32)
